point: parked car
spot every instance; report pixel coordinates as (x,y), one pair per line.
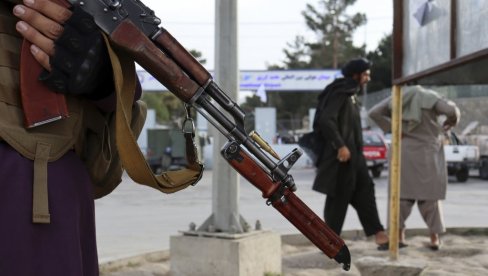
(375,151)
(461,157)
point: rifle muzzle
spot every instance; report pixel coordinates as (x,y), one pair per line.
(344,257)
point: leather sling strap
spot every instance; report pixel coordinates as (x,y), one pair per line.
(131,156)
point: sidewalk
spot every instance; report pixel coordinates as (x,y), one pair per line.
(463,252)
(136,219)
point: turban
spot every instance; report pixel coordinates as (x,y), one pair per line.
(355,66)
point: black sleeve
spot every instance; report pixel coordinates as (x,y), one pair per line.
(329,119)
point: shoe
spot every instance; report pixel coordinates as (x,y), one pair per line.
(435,246)
(385,246)
(435,242)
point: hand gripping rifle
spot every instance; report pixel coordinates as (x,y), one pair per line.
(133,27)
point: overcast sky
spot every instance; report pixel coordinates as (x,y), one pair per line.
(265,26)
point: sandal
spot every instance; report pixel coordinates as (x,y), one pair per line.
(435,246)
(385,246)
(435,242)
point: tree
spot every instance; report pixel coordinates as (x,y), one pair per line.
(198,56)
(297,57)
(382,59)
(169,109)
(153,101)
(333,28)
(249,105)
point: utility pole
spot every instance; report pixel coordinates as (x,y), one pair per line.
(228,247)
(225,215)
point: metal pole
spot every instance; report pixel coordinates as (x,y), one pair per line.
(225,209)
(395,173)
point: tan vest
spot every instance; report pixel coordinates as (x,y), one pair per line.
(60,136)
(49,142)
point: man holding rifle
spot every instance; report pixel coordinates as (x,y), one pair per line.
(135,30)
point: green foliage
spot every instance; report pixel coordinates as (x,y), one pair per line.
(198,56)
(169,109)
(298,55)
(154,101)
(250,103)
(334,28)
(291,107)
(382,59)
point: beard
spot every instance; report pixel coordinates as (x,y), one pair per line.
(362,89)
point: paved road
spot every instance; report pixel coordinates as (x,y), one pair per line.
(136,219)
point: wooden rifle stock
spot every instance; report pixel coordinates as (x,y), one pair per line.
(183,58)
(149,56)
(289,205)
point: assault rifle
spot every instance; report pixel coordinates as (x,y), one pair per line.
(135,28)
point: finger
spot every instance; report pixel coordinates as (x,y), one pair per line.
(35,37)
(41,57)
(50,9)
(48,27)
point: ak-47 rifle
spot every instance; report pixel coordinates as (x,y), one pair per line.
(134,27)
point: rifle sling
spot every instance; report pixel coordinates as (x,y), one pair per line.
(131,156)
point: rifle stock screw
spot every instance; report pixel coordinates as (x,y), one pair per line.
(232,148)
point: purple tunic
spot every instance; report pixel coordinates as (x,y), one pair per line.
(66,246)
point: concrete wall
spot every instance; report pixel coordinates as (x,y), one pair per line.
(250,255)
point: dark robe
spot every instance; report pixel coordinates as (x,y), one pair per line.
(339,124)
